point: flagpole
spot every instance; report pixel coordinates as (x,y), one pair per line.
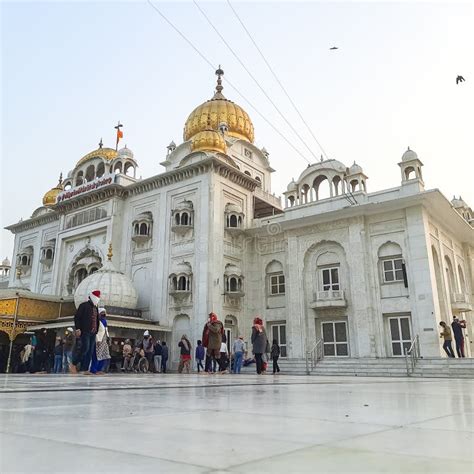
(118,127)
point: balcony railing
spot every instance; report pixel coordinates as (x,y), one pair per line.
(328,299)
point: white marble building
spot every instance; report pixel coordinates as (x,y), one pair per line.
(365,272)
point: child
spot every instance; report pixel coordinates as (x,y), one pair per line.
(275,354)
(199,355)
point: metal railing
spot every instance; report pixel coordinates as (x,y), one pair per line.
(412,354)
(314,355)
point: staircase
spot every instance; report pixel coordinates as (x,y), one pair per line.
(384,367)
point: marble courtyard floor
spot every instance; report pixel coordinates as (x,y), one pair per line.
(228,423)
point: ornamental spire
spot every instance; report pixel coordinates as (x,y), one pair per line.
(218,94)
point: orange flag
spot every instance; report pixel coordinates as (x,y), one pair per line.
(119,134)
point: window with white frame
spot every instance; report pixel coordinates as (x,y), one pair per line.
(277,284)
(392,270)
(330,278)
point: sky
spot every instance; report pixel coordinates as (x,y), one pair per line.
(71,70)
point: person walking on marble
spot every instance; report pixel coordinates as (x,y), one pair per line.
(164,356)
(101,353)
(446,335)
(259,343)
(157,356)
(185,355)
(457,327)
(58,356)
(68,345)
(86,322)
(199,355)
(212,340)
(275,354)
(238,350)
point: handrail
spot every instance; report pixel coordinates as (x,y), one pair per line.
(314,355)
(412,354)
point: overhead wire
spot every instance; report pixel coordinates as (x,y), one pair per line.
(227,80)
(257,82)
(276,78)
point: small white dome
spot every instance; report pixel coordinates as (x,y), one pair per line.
(232,208)
(292,186)
(231,269)
(6,262)
(125,153)
(115,288)
(184,206)
(182,268)
(409,155)
(355,169)
(458,202)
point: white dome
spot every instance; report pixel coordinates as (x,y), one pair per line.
(184,205)
(115,288)
(231,269)
(182,268)
(355,169)
(409,155)
(458,202)
(125,153)
(291,186)
(6,262)
(233,208)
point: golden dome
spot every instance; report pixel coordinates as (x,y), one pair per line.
(219,110)
(208,140)
(107,153)
(49,199)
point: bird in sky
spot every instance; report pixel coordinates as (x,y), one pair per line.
(460,79)
(334,47)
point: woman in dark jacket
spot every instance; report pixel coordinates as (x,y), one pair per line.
(259,342)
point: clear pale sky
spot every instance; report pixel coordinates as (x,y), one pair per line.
(70,70)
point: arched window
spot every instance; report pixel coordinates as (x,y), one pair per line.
(177,218)
(79,178)
(322,187)
(257,178)
(291,200)
(336,182)
(100,170)
(450,275)
(410,173)
(233,221)
(129,170)
(392,263)
(353,185)
(248,173)
(92,270)
(49,253)
(118,167)
(136,230)
(80,275)
(182,283)
(184,218)
(143,229)
(90,173)
(462,282)
(275,278)
(233,285)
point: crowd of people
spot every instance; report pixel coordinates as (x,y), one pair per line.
(88,348)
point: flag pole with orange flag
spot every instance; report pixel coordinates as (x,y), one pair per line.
(119,134)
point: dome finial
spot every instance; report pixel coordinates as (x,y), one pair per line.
(101,144)
(219,87)
(110,253)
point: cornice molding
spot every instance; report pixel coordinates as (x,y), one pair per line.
(211,163)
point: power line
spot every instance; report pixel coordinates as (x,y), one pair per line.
(276,78)
(253,78)
(227,80)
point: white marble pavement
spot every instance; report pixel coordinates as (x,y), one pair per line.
(244,424)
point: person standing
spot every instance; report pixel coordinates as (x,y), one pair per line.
(68,345)
(238,350)
(200,354)
(185,355)
(224,355)
(164,356)
(212,340)
(101,353)
(457,327)
(127,355)
(41,351)
(259,342)
(446,335)
(148,347)
(86,321)
(275,354)
(157,356)
(58,356)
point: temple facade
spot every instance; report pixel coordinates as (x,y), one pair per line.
(361,272)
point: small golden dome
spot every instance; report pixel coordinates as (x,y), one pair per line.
(219,110)
(107,153)
(208,140)
(49,199)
